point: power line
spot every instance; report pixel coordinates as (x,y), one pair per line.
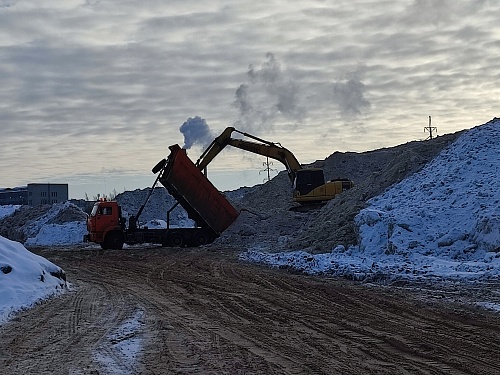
(267,168)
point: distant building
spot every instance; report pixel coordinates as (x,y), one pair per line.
(17,195)
(34,194)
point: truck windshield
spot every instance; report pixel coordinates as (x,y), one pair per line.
(94,210)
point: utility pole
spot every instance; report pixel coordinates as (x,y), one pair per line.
(430,129)
(267,168)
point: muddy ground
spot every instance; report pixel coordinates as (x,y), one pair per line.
(205,312)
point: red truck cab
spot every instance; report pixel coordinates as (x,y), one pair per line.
(105,219)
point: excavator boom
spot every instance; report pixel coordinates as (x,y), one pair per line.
(308,183)
(265,148)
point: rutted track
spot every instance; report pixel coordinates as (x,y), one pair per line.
(206,313)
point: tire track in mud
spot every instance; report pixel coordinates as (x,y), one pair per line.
(389,341)
(193,341)
(373,345)
(380,344)
(432,335)
(68,328)
(205,312)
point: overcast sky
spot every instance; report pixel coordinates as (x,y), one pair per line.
(93,92)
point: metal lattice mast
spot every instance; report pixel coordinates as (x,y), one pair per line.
(430,129)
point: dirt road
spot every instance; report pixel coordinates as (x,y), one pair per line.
(203,312)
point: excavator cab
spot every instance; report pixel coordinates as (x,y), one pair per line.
(307,180)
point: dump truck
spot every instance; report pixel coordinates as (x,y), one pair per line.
(309,185)
(204,204)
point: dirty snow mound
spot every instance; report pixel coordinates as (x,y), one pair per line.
(372,173)
(7,210)
(25,278)
(450,209)
(44,224)
(439,223)
(69,233)
(13,226)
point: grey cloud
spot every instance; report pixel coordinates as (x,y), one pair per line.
(7,3)
(440,12)
(115,80)
(242,102)
(349,93)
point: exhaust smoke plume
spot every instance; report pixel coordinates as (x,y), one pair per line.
(196,132)
(270,93)
(349,93)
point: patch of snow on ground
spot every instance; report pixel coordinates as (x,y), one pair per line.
(442,222)
(489,306)
(122,348)
(25,278)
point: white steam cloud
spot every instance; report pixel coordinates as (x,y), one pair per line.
(270,93)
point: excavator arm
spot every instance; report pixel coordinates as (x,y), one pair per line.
(308,183)
(261,147)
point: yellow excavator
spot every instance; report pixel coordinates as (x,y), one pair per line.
(309,186)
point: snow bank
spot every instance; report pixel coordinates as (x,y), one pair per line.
(443,221)
(448,214)
(25,278)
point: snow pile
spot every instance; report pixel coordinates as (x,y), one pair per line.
(56,224)
(53,229)
(25,278)
(8,210)
(443,221)
(34,227)
(70,233)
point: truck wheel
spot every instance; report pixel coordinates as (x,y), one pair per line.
(200,238)
(177,240)
(114,240)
